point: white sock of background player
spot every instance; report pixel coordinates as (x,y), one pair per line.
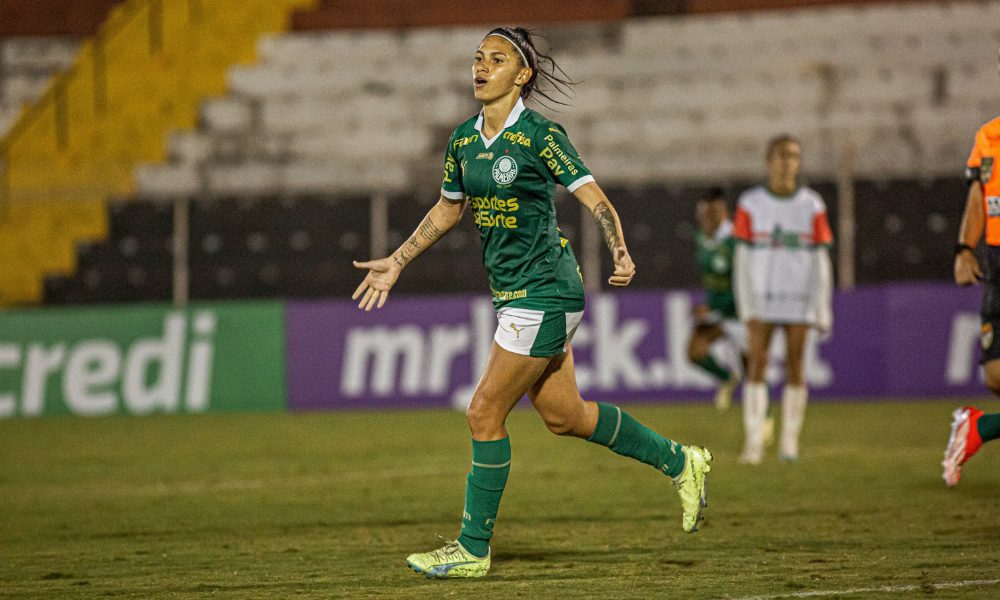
(793,412)
(754,413)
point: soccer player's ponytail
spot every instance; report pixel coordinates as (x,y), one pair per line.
(543,66)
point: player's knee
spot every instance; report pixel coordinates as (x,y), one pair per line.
(696,350)
(757,365)
(481,420)
(993,378)
(795,372)
(565,423)
(559,425)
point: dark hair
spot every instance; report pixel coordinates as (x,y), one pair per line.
(541,65)
(713,194)
(784,138)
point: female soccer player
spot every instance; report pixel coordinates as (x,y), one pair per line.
(717,317)
(783,277)
(506,163)
(971,428)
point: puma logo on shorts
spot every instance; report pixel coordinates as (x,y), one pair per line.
(535,332)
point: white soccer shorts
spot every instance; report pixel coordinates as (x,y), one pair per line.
(535,332)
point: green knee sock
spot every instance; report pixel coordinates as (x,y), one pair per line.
(989,427)
(624,435)
(483,489)
(712,366)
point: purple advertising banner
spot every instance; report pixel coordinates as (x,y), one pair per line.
(893,341)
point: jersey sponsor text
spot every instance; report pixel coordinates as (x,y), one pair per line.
(507,295)
(517,137)
(553,154)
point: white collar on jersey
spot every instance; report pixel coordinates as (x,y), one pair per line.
(724,230)
(512,118)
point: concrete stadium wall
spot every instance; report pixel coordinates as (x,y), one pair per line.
(386,14)
(80,18)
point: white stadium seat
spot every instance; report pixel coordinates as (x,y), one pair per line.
(692,98)
(168,181)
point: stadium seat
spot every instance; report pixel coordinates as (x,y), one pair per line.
(81,143)
(320,114)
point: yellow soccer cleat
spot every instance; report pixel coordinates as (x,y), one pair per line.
(724,395)
(690,486)
(768,429)
(449,562)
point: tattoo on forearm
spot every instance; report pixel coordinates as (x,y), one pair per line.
(409,250)
(430,231)
(606,220)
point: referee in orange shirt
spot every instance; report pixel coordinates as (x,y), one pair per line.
(971,428)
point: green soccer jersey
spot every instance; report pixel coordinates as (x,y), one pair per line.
(715,261)
(510,183)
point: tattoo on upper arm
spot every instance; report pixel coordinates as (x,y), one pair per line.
(606,220)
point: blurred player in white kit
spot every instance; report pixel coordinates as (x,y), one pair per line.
(782,277)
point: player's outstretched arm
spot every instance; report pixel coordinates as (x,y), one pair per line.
(591,196)
(973,222)
(382,273)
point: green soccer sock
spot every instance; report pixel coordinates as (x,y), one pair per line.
(712,366)
(989,427)
(483,489)
(622,434)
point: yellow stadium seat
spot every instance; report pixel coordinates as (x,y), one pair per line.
(60,176)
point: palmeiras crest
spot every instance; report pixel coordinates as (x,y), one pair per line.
(504,170)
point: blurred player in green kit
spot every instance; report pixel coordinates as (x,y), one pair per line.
(716,318)
(505,164)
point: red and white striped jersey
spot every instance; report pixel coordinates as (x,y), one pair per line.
(782,280)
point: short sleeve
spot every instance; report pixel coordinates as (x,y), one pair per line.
(742,226)
(976,157)
(451,187)
(561,160)
(975,163)
(822,234)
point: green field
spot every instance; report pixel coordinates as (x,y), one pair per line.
(329,505)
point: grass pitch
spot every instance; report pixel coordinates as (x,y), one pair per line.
(329,506)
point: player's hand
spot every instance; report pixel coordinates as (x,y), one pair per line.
(824,326)
(382,274)
(700,312)
(624,269)
(967,269)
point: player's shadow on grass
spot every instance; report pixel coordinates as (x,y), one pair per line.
(603,556)
(448,522)
(572,519)
(534,565)
(290,587)
(443,522)
(535,555)
(968,489)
